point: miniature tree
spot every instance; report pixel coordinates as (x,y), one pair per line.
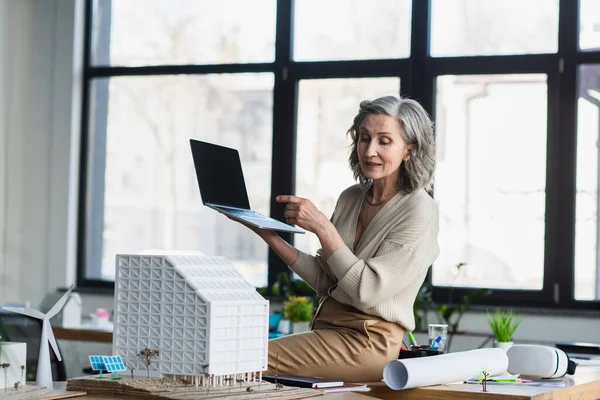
(5,366)
(206,376)
(230,382)
(186,381)
(130,367)
(22,373)
(277,384)
(483,376)
(147,355)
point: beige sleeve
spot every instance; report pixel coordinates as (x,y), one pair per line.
(311,269)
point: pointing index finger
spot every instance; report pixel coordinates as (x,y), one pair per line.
(288,199)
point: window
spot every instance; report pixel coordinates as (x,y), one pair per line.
(351,29)
(486,126)
(512,86)
(587,229)
(146,202)
(493,27)
(589,25)
(156,32)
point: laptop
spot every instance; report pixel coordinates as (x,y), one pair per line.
(222,186)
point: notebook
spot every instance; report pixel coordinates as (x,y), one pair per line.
(581,353)
(298,381)
(348,387)
(222,186)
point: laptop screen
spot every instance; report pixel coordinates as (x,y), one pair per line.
(220,176)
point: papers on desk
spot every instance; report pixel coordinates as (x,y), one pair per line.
(526,382)
(506,377)
(446,368)
(514,379)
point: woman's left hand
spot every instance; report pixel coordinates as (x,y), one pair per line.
(302,212)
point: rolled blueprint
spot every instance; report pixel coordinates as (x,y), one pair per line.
(445,368)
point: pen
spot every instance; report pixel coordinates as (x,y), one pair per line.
(413,342)
(435,343)
(476,381)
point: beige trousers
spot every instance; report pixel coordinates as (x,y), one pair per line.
(344,344)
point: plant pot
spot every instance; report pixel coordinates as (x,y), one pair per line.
(284,326)
(298,327)
(503,345)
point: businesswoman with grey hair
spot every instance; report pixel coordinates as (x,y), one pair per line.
(376,249)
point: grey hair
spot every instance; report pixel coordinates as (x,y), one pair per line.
(417,129)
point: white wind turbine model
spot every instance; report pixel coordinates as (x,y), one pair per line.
(44,371)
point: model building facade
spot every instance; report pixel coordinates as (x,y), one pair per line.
(199,312)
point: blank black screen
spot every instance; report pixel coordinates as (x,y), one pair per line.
(219,173)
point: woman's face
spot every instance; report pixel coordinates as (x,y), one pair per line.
(381,147)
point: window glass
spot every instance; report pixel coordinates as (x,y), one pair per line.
(142,191)
(493,27)
(351,29)
(326,109)
(152,32)
(587,230)
(490,180)
(589,25)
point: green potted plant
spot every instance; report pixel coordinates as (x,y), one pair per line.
(503,325)
(298,310)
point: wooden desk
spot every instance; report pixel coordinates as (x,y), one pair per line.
(82,334)
(584,385)
(331,396)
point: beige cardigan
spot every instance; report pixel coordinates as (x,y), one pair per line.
(384,273)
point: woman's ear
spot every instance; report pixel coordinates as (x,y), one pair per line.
(409,150)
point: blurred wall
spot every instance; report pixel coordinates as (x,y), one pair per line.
(40,75)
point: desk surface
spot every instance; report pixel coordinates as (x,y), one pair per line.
(583,386)
(331,396)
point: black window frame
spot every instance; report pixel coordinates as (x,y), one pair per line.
(417,75)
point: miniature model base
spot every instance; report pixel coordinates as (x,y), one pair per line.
(31,392)
(169,389)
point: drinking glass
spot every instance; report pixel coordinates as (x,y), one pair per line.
(436,330)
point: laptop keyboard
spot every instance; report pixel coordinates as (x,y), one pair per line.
(254,217)
(267,222)
(244,213)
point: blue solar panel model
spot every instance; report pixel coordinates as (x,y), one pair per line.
(114,364)
(97,363)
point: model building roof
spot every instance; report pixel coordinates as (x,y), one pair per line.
(214,278)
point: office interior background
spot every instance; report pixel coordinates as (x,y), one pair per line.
(99,98)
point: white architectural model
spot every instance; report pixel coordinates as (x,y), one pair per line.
(209,324)
(44,371)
